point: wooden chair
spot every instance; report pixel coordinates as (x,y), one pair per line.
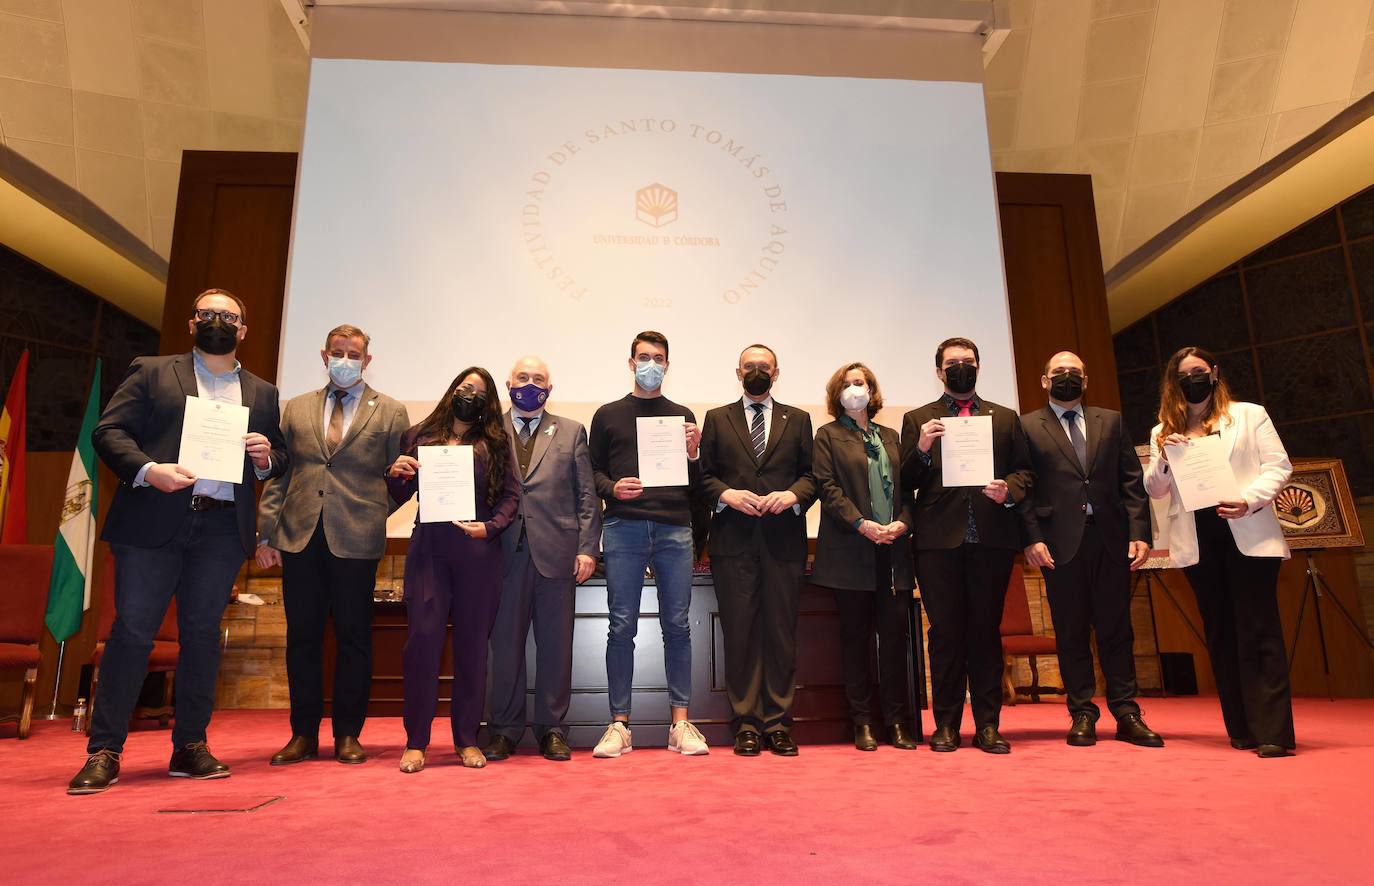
(163,658)
(1019,638)
(27,570)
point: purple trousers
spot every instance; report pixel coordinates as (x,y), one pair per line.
(450,579)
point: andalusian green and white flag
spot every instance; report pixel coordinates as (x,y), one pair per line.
(69,593)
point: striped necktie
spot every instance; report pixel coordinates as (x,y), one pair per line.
(756,430)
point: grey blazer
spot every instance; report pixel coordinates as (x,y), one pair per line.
(560,514)
(348,489)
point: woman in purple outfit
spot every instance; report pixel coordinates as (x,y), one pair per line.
(453,570)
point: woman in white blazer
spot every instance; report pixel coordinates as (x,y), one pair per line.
(1230,554)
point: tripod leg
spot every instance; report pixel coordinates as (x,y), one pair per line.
(1297,628)
(1324,590)
(1147,579)
(1321,638)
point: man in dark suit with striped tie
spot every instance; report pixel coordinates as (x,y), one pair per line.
(756,475)
(1089,528)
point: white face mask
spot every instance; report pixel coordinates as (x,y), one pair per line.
(344,372)
(854,398)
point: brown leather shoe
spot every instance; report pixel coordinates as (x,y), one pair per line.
(347,750)
(297,749)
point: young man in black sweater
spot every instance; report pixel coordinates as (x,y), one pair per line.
(643,526)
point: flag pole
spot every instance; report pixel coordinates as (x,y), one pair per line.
(57,681)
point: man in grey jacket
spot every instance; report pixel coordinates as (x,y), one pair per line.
(324,523)
(549,549)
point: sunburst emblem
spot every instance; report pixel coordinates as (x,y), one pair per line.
(656,205)
(1296,506)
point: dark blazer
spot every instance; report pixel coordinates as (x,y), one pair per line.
(1063,489)
(728,462)
(142,423)
(559,509)
(942,514)
(844,558)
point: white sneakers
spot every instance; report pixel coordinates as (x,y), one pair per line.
(614,741)
(683,738)
(686,739)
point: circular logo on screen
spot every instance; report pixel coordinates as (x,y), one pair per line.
(655,213)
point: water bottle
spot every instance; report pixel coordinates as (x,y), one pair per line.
(79,716)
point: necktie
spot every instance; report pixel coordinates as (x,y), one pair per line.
(525,431)
(756,430)
(1080,445)
(965,406)
(334,437)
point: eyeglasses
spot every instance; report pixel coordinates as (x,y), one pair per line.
(1196,373)
(1060,373)
(208,316)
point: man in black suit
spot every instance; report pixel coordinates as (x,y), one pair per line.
(756,472)
(966,539)
(1089,528)
(176,535)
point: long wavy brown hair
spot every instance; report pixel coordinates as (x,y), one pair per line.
(1173,408)
(487,435)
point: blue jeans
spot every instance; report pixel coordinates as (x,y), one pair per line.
(630,546)
(197,567)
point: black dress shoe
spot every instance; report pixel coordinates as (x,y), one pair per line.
(990,741)
(499,749)
(1244,744)
(900,738)
(297,749)
(1273,750)
(780,742)
(553,747)
(863,738)
(1083,732)
(347,750)
(1131,728)
(748,743)
(100,772)
(945,739)
(195,761)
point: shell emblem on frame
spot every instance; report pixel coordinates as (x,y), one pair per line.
(1297,506)
(656,205)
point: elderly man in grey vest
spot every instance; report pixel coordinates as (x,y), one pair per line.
(549,550)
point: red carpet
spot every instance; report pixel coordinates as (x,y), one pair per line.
(1196,811)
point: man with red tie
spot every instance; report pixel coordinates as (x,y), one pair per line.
(965,539)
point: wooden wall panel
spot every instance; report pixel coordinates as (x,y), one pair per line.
(1055,294)
(233,231)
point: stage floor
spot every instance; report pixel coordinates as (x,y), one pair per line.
(1195,811)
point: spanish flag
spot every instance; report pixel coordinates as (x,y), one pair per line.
(14,524)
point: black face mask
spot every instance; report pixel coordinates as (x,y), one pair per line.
(468,408)
(757,382)
(216,337)
(1197,388)
(961,378)
(1066,388)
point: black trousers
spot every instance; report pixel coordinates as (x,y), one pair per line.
(885,610)
(197,567)
(529,598)
(316,584)
(759,596)
(963,590)
(1238,598)
(1091,594)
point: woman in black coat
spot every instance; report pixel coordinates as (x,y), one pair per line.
(863,550)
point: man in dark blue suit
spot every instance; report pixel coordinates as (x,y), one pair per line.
(176,535)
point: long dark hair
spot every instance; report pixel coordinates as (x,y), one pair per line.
(491,430)
(1173,408)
